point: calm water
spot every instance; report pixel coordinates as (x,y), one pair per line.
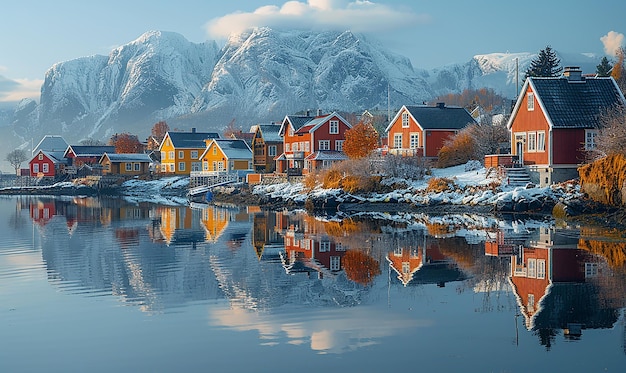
(89,285)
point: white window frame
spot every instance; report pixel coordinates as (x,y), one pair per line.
(137,166)
(335,263)
(541,268)
(287,147)
(405,120)
(397,251)
(35,168)
(397,141)
(40,157)
(181,166)
(531,142)
(406,268)
(532,268)
(128,166)
(172,155)
(181,154)
(307,146)
(324,145)
(194,154)
(45,168)
(590,139)
(530,101)
(163,156)
(333,127)
(271,150)
(339,145)
(324,246)
(414,142)
(541,141)
(591,270)
(295,147)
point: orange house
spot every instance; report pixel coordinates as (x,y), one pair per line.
(422,130)
(180,151)
(555,122)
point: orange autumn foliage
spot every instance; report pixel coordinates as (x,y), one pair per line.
(360,267)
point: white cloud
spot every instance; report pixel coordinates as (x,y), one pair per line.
(357,16)
(612,42)
(17,89)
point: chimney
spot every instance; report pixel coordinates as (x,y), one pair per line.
(441,105)
(308,113)
(319,112)
(573,73)
(193,130)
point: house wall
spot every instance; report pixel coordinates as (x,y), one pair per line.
(213,158)
(396,128)
(568,146)
(323,133)
(530,122)
(189,159)
(434,141)
(40,167)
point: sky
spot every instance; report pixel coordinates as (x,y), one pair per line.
(36,34)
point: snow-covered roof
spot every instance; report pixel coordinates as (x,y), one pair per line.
(232,149)
(90,150)
(270,132)
(438,117)
(327,155)
(51,143)
(191,140)
(127,157)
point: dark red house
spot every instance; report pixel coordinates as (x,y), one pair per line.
(555,122)
(46,164)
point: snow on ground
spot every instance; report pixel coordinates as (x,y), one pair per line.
(166,191)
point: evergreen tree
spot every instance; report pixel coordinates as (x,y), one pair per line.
(604,68)
(547,64)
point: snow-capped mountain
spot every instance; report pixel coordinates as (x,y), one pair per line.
(259,75)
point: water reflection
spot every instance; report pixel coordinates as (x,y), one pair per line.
(265,264)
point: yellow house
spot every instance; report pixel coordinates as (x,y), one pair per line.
(226,155)
(180,151)
(125,164)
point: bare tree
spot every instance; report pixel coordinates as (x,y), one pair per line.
(15,158)
(611,138)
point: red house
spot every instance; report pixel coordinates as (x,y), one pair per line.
(422,130)
(311,143)
(555,122)
(46,164)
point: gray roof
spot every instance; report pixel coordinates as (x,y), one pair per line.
(327,155)
(191,140)
(51,143)
(575,103)
(234,149)
(128,157)
(91,150)
(441,117)
(55,157)
(297,121)
(270,132)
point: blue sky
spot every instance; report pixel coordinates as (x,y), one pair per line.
(38,33)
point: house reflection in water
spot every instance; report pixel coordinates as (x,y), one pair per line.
(417,259)
(553,282)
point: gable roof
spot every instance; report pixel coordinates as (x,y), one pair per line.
(270,132)
(232,148)
(127,157)
(572,103)
(56,157)
(316,122)
(439,117)
(295,121)
(190,140)
(90,150)
(51,143)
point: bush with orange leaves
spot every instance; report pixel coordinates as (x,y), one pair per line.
(440,184)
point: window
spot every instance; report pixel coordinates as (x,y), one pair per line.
(181,154)
(220,166)
(35,168)
(214,165)
(181,166)
(171,165)
(335,262)
(591,269)
(271,150)
(339,145)
(532,268)
(324,145)
(137,166)
(541,268)
(339,247)
(334,127)
(40,157)
(205,165)
(163,155)
(214,150)
(128,166)
(324,246)
(44,167)
(287,148)
(405,120)
(194,154)
(532,141)
(415,141)
(530,102)
(397,141)
(406,268)
(171,155)
(307,148)
(541,141)
(397,251)
(295,147)
(531,303)
(195,166)
(590,139)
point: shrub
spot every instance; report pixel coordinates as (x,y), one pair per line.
(440,184)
